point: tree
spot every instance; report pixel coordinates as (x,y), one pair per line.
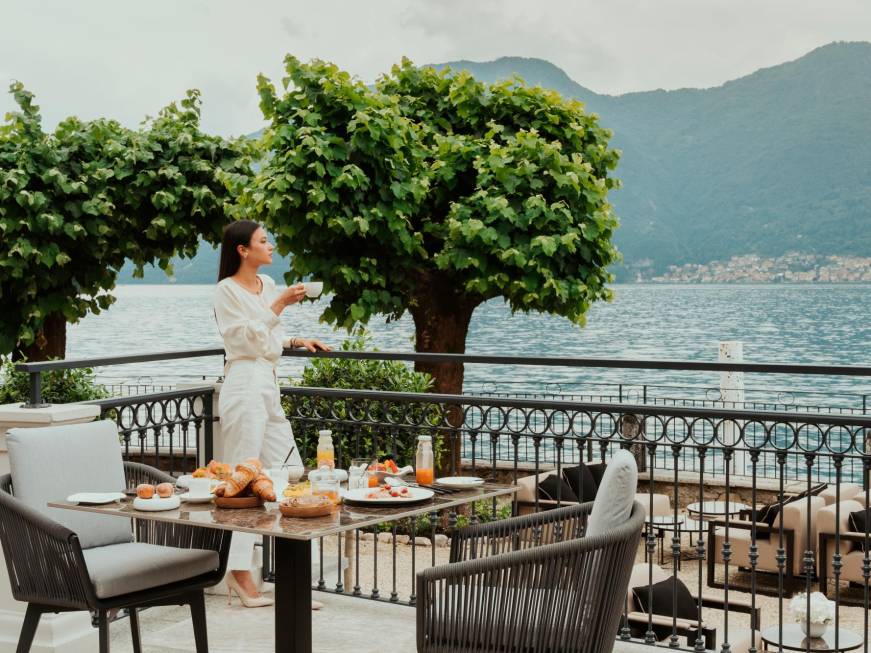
(432,192)
(78,202)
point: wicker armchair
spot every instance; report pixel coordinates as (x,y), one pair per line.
(52,572)
(530,583)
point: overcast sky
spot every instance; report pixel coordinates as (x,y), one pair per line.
(125,59)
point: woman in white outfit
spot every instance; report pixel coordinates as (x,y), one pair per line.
(247,309)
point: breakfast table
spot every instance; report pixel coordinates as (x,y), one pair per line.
(293,537)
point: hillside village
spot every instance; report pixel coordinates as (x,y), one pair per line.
(793,267)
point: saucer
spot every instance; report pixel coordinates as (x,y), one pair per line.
(206,498)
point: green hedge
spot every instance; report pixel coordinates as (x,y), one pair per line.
(58,386)
(391,376)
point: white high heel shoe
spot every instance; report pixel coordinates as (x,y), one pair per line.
(248,601)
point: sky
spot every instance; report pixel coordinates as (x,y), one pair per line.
(126,59)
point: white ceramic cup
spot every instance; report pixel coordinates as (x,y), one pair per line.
(313,288)
(286,473)
(199,487)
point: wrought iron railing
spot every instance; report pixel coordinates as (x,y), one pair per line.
(172,430)
(731,557)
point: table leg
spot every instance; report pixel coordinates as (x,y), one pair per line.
(293,596)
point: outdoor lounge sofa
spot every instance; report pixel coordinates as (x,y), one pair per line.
(526,497)
(662,625)
(62,560)
(793,516)
(836,519)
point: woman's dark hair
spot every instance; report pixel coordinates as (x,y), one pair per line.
(235,234)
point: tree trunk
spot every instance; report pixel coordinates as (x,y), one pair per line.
(51,341)
(441,322)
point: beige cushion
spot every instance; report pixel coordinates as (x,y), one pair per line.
(615,496)
(848,491)
(120,569)
(50,463)
(527,486)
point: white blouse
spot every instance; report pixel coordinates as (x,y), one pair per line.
(247,324)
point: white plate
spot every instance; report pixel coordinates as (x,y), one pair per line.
(460,481)
(95,497)
(358,496)
(188,498)
(156,503)
(182,481)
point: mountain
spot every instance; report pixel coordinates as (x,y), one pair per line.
(203,268)
(778,161)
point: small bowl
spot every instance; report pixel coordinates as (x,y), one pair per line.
(307,508)
(313,288)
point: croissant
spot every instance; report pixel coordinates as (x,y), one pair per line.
(262,487)
(239,480)
(254,463)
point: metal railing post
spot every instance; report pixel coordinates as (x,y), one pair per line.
(208,427)
(35,391)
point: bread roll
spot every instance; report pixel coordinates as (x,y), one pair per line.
(144,491)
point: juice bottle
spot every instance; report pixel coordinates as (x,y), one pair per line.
(424,461)
(326,455)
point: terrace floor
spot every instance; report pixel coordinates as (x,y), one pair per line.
(355,625)
(344,625)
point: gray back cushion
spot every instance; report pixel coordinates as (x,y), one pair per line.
(51,463)
(616,494)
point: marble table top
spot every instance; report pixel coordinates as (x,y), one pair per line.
(267,520)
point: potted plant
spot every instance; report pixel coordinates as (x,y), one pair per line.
(814,616)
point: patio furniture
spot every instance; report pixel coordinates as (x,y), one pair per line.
(795,640)
(793,516)
(293,537)
(707,510)
(528,485)
(740,639)
(87,562)
(851,547)
(848,491)
(550,581)
(660,524)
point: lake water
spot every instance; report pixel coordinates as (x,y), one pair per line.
(776,323)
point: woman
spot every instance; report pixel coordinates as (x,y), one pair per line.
(247,308)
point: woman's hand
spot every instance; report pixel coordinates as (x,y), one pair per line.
(290,295)
(311,344)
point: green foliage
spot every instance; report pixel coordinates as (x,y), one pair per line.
(423,528)
(390,376)
(78,202)
(58,386)
(435,179)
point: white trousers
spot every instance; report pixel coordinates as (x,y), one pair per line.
(253,425)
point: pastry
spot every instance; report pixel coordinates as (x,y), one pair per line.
(219,470)
(262,487)
(239,480)
(165,490)
(144,491)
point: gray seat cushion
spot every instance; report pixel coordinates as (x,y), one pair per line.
(124,568)
(616,494)
(53,462)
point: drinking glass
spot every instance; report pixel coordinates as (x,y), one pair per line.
(358,473)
